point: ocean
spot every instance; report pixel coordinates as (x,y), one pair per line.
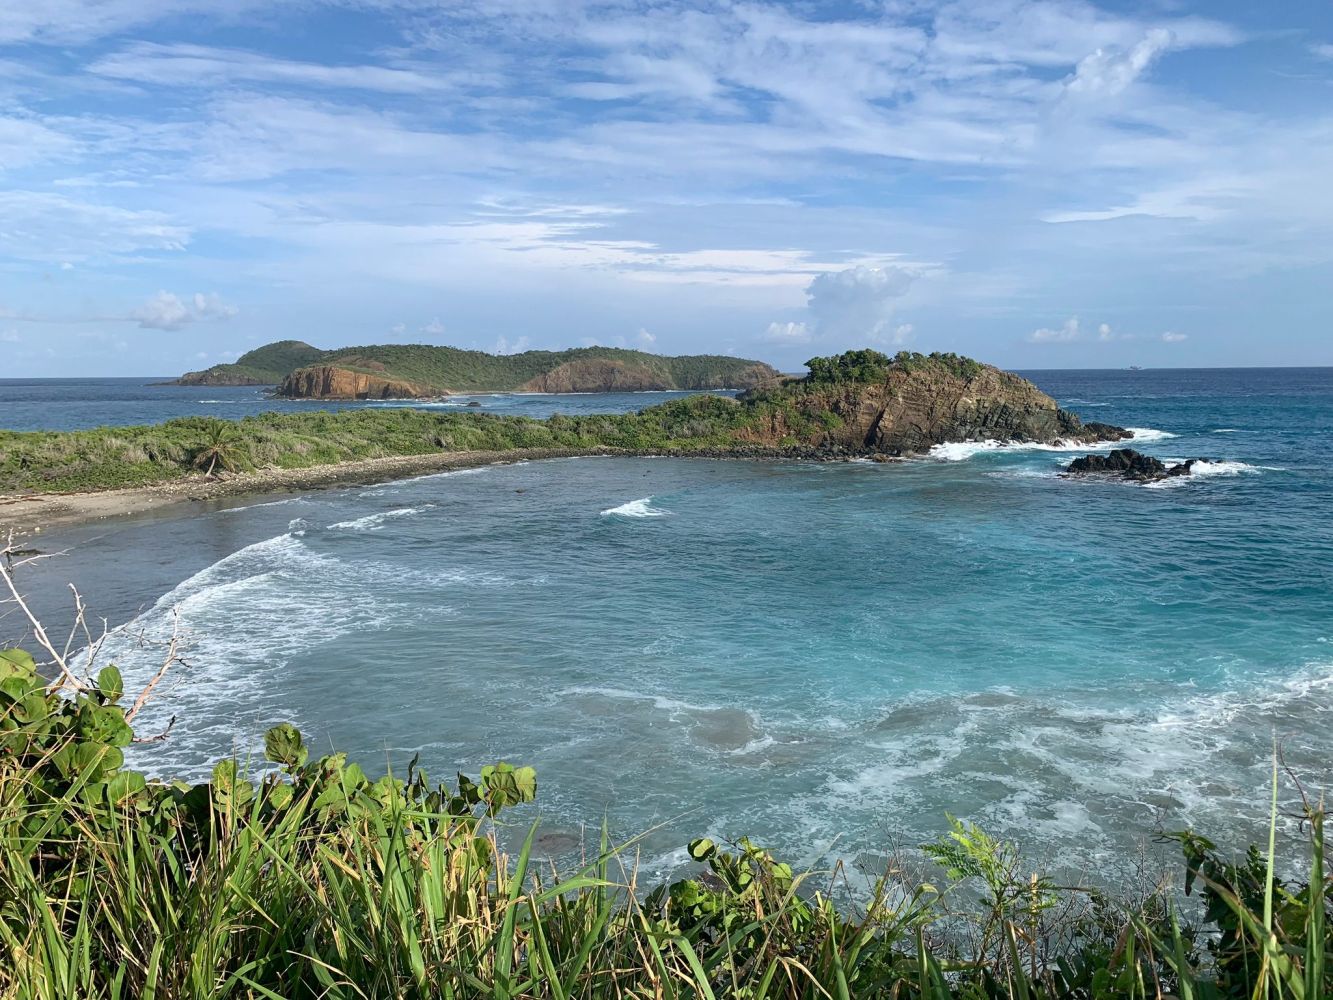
(825,657)
(67,404)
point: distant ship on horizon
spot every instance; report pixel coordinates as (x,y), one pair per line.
(1136,368)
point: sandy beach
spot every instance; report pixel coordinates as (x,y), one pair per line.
(28,514)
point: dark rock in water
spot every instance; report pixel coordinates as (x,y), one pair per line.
(473,402)
(1128,464)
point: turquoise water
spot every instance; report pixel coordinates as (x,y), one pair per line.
(827,657)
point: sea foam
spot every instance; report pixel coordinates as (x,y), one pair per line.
(636,508)
(374,522)
(960,451)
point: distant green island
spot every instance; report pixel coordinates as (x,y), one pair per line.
(857,404)
(412,371)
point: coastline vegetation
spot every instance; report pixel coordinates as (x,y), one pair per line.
(310,879)
(117,457)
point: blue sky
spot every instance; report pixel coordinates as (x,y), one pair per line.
(1038,184)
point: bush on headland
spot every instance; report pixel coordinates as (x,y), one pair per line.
(313,880)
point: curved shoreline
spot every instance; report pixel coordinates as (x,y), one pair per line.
(33,513)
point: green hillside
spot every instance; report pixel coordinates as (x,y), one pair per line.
(421,369)
(267,365)
(453,369)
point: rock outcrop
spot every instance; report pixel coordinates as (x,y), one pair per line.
(911,404)
(337,382)
(219,375)
(1126,463)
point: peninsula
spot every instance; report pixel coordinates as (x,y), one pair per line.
(419,371)
(857,404)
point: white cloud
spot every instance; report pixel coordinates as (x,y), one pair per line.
(1104,332)
(788,333)
(184,65)
(645,338)
(1066,334)
(1322,50)
(24,142)
(856,305)
(504,346)
(9,336)
(434,328)
(58,230)
(167,311)
(1106,73)
(1170,337)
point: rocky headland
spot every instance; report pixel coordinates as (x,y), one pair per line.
(863,402)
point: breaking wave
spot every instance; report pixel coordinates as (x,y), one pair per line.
(636,508)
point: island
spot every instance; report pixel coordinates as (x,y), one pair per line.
(859,404)
(421,371)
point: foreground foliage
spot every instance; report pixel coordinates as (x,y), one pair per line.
(313,880)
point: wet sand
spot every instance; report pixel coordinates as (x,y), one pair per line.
(34,513)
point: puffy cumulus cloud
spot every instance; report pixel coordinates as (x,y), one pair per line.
(645,338)
(1107,72)
(1104,332)
(168,311)
(1065,334)
(505,346)
(856,305)
(788,333)
(434,328)
(1171,337)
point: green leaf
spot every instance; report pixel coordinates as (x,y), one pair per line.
(109,682)
(702,849)
(16,663)
(283,745)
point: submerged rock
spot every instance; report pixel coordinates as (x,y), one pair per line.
(1126,463)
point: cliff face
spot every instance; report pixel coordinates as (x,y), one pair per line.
(334,382)
(911,409)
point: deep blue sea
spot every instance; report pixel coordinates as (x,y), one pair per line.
(827,657)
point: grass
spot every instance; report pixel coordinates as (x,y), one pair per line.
(110,458)
(316,881)
(802,415)
(311,879)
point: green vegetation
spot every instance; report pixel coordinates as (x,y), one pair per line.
(266,365)
(313,880)
(443,369)
(871,366)
(799,414)
(114,457)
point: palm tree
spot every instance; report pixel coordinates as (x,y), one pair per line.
(221,447)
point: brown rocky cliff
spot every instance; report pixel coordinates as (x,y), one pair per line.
(912,410)
(334,382)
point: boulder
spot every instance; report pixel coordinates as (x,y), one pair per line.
(1126,463)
